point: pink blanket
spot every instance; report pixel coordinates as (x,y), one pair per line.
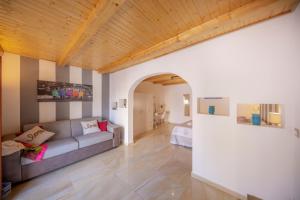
(35,153)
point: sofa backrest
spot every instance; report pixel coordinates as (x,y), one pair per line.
(61,128)
(76,127)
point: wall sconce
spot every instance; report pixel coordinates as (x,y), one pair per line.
(186,103)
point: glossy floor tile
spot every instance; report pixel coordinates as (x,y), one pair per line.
(152,168)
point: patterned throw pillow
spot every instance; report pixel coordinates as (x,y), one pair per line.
(34,136)
(90,127)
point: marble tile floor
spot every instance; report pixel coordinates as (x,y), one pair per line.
(151,168)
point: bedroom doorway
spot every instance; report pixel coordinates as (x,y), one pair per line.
(163,103)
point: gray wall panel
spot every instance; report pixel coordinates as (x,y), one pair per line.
(62,108)
(87,109)
(105,96)
(63,74)
(87,77)
(29,74)
(87,106)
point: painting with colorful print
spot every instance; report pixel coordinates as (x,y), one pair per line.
(59,91)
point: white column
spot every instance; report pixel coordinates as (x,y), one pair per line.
(47,72)
(97,91)
(75,106)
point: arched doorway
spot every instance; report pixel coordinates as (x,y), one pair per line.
(167,98)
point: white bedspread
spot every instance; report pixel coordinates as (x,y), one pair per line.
(181,136)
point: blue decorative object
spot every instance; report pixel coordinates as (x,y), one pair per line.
(211,110)
(256,119)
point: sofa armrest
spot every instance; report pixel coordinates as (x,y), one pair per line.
(11,167)
(117,131)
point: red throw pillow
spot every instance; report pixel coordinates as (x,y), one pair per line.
(103,125)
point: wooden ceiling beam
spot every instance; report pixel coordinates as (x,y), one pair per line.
(174,82)
(167,80)
(102,12)
(159,77)
(251,13)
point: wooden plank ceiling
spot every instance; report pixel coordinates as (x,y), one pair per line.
(166,79)
(110,35)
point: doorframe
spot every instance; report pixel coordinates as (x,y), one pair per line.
(1,54)
(132,88)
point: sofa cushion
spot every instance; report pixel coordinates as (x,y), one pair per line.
(55,148)
(59,147)
(34,136)
(103,125)
(89,127)
(76,127)
(93,138)
(61,128)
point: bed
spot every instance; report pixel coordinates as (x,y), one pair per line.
(182,134)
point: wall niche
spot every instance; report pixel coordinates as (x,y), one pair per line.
(269,115)
(213,106)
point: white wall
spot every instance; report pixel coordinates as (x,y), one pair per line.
(174,102)
(47,72)
(75,106)
(258,64)
(10,93)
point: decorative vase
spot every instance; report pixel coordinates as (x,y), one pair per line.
(256,119)
(211,110)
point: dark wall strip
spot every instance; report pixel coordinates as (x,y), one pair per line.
(87,106)
(105,96)
(87,109)
(29,74)
(62,108)
(87,77)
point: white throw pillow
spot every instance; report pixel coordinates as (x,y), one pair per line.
(35,136)
(90,127)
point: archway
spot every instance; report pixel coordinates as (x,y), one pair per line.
(132,89)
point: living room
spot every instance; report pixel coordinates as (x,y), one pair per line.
(69,71)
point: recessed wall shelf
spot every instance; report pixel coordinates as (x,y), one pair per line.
(268,115)
(213,105)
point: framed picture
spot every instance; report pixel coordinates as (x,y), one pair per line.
(122,103)
(48,91)
(114,105)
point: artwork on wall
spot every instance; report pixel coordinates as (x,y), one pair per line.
(213,105)
(114,105)
(260,114)
(48,91)
(122,103)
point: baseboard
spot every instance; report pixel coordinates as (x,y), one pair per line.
(220,187)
